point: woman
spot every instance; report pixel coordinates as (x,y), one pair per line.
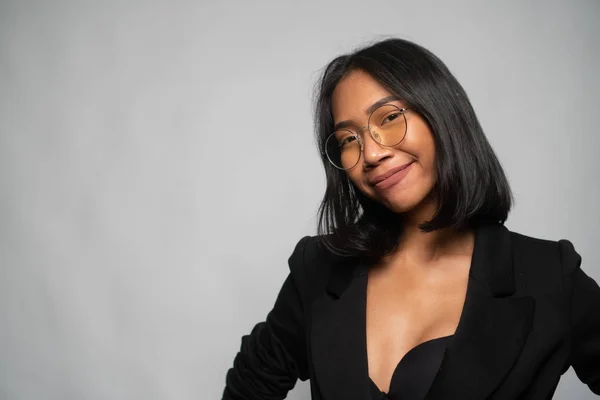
(414,288)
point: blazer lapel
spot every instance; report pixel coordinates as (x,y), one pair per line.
(338,335)
(493,327)
(492,330)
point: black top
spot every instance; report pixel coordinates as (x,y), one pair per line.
(415,372)
(530,312)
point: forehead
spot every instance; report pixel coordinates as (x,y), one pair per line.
(354,94)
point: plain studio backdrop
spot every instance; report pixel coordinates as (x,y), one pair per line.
(157,167)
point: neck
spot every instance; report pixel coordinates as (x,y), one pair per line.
(423,248)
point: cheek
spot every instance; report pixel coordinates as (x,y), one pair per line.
(427,164)
(429,159)
(355,177)
(422,146)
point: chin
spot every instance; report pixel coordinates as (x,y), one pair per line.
(399,208)
(401,203)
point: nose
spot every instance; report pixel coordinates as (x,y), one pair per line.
(373,152)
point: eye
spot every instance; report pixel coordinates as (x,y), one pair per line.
(347,140)
(390,117)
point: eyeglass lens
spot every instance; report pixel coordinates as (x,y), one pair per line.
(387,126)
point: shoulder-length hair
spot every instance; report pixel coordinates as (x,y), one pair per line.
(471,187)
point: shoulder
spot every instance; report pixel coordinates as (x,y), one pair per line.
(533,245)
(311,264)
(544,259)
(561,250)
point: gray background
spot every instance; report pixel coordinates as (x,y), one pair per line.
(157,166)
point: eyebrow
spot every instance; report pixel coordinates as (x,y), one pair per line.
(368,111)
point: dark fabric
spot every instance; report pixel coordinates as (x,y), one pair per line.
(414,374)
(530,313)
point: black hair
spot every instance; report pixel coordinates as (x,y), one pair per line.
(471,187)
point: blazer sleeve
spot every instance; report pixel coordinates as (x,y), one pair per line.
(584,304)
(273,356)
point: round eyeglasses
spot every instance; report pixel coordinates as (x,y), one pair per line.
(386,125)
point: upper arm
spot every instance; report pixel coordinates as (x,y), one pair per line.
(584,306)
(273,356)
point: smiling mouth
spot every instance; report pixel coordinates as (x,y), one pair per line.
(391,177)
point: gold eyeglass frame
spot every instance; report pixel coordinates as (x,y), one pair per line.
(360,141)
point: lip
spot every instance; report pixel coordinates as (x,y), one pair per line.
(391,177)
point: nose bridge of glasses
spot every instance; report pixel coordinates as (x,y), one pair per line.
(360,130)
(371,133)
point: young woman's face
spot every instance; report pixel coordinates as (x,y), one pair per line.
(399,177)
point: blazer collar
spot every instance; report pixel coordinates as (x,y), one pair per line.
(492,329)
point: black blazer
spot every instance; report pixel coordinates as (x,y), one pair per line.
(530,313)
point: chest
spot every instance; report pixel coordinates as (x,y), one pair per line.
(404,310)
